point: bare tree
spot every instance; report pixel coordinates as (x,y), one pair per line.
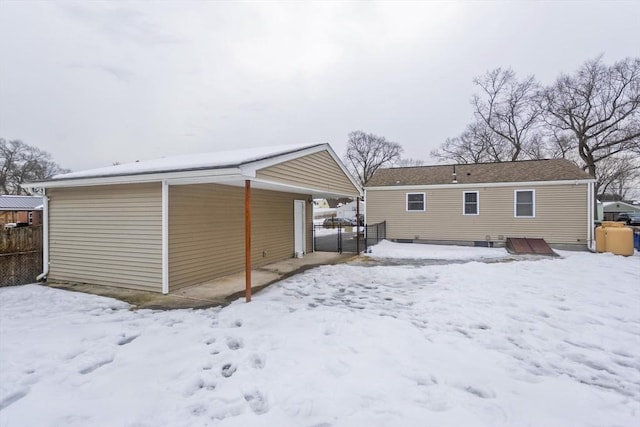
(477,144)
(599,108)
(409,162)
(367,152)
(20,163)
(508,107)
(506,125)
(616,175)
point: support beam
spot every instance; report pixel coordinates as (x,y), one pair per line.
(247,240)
(165,237)
(358,225)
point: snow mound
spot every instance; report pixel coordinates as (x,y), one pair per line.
(387,249)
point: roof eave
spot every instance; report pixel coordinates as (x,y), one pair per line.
(250,168)
(482,184)
(204,175)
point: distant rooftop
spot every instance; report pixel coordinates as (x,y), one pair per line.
(20,203)
(519,171)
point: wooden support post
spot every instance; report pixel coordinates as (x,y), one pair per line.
(247,240)
(358,225)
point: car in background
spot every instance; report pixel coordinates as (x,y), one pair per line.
(338,222)
(628,218)
(15,225)
(622,217)
(634,219)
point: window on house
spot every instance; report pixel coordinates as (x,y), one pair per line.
(525,203)
(471,203)
(416,202)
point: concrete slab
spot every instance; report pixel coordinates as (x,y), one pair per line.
(217,292)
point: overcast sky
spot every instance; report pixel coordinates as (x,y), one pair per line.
(98,82)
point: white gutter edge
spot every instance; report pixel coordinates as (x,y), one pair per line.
(303,190)
(136,179)
(165,237)
(45,238)
(480,184)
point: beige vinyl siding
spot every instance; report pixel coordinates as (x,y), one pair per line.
(206,230)
(107,235)
(560,214)
(318,171)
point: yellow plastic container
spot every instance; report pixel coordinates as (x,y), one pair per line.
(601,242)
(619,240)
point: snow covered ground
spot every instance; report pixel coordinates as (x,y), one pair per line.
(539,342)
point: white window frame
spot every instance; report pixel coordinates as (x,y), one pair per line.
(424,202)
(533,203)
(464,203)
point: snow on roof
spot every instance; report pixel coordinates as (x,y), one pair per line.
(20,203)
(213,160)
(611,203)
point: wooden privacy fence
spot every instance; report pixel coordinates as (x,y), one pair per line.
(20,255)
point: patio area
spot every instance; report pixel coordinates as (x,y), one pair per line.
(218,292)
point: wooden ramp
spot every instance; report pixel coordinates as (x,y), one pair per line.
(525,245)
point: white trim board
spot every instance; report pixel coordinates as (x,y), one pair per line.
(202,175)
(478,185)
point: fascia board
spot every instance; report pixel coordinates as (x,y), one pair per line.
(345,170)
(140,178)
(298,188)
(250,169)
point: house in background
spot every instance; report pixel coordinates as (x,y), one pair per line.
(612,209)
(349,210)
(21,210)
(484,204)
(320,204)
(165,224)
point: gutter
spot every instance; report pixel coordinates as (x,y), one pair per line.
(45,239)
(591,205)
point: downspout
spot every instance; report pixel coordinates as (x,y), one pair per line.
(45,238)
(165,237)
(590,208)
(358,225)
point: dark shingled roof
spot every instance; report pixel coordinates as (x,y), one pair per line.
(520,171)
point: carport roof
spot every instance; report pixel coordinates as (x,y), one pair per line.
(189,162)
(231,167)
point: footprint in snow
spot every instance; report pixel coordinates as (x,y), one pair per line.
(126,340)
(257,402)
(197,385)
(12,398)
(480,392)
(234,343)
(96,365)
(257,361)
(228,370)
(481,326)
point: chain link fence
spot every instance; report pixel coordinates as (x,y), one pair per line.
(344,239)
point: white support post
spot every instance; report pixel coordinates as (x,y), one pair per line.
(165,237)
